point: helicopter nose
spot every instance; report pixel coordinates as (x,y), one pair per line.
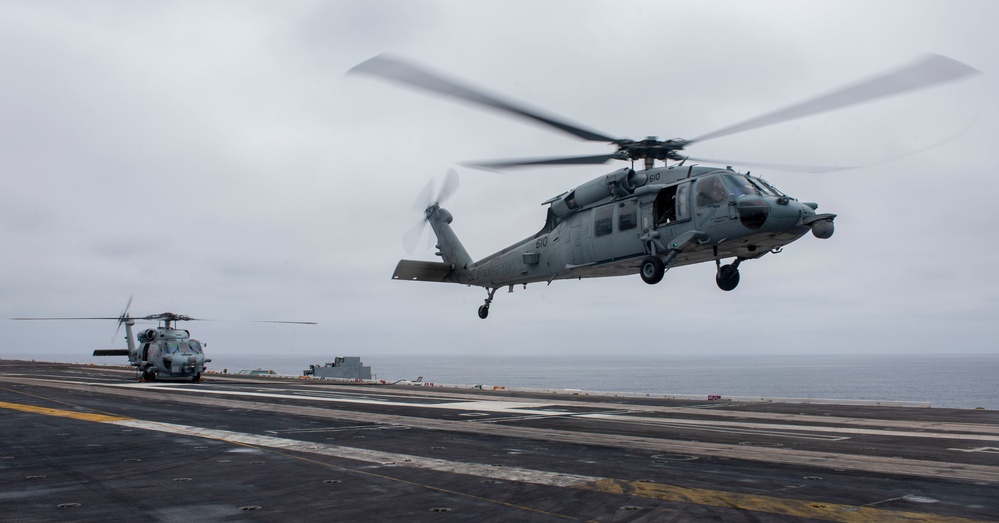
(786,213)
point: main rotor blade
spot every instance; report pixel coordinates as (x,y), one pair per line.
(396,69)
(568,160)
(160,317)
(255,321)
(777,166)
(928,71)
(115,318)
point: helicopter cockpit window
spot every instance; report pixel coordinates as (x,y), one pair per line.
(761,188)
(711,191)
(603,220)
(195,346)
(171,347)
(739,184)
(766,188)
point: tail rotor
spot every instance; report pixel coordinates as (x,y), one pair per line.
(122,318)
(428,203)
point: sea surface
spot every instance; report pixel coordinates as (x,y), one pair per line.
(943,380)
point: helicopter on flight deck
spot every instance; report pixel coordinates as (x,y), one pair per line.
(166,352)
(646,221)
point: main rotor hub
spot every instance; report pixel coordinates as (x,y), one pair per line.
(650,148)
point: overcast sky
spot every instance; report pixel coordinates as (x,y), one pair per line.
(213,159)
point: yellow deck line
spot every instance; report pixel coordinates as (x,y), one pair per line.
(768,504)
(103,418)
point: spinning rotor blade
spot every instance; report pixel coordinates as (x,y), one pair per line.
(255,321)
(567,160)
(121,317)
(95,318)
(426,197)
(449,186)
(413,235)
(931,70)
(396,69)
(777,166)
(423,203)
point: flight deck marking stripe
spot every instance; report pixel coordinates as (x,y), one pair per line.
(755,503)
(528,409)
(645,420)
(708,497)
(383,458)
(371,456)
(671,493)
(103,418)
(767,504)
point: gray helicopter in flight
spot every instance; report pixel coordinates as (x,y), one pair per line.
(638,221)
(166,352)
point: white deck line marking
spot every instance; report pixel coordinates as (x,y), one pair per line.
(496,406)
(539,477)
(799,428)
(522,408)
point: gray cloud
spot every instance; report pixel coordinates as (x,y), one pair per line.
(213,159)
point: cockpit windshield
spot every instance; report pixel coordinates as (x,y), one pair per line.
(740,185)
(195,346)
(764,187)
(744,184)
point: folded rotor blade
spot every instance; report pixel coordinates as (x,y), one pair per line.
(928,71)
(396,69)
(568,160)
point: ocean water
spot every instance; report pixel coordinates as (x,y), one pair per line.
(943,380)
(952,380)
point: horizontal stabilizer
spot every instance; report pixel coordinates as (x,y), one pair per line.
(421,271)
(110,352)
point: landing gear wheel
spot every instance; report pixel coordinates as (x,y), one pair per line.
(484,308)
(727,277)
(148,376)
(196,378)
(652,270)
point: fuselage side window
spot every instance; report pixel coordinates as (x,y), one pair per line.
(682,201)
(603,220)
(628,216)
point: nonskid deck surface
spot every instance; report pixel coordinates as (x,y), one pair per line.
(86,443)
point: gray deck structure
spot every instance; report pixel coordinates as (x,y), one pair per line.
(342,367)
(88,443)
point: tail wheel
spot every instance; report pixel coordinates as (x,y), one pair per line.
(652,270)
